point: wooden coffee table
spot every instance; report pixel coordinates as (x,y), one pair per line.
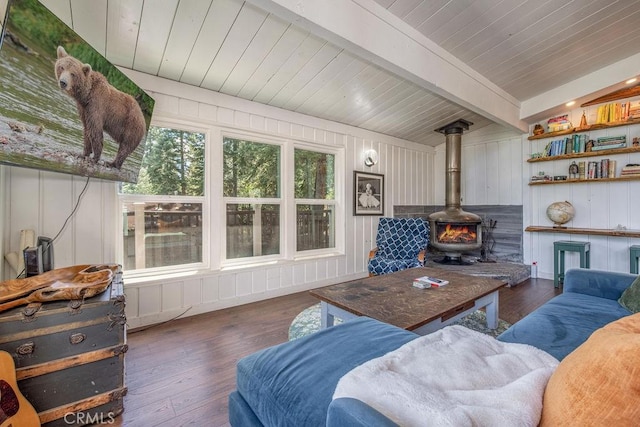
(392,299)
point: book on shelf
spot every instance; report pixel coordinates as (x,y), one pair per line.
(630,169)
(559,123)
(610,140)
(609,146)
(618,112)
(604,168)
(634,110)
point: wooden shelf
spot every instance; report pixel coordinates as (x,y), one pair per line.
(580,181)
(590,231)
(584,129)
(587,154)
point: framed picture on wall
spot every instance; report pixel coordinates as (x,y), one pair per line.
(368,193)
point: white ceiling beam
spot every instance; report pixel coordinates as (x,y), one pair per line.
(581,90)
(368,30)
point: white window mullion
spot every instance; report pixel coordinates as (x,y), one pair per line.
(289,221)
(217,223)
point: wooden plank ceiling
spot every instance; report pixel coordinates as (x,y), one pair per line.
(233,47)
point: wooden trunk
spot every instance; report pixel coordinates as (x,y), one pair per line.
(69,356)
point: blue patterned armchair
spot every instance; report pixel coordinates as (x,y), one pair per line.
(401,243)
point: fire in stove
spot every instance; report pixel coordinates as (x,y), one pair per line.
(457,233)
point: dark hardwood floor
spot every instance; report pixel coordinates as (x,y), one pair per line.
(181,372)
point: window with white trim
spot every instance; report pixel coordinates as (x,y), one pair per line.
(260,215)
(272,199)
(314,188)
(162,213)
(251,192)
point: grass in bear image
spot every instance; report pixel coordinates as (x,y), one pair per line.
(93,124)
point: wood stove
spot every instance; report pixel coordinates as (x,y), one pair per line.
(454,231)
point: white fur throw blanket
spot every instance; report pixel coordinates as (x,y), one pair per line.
(454,377)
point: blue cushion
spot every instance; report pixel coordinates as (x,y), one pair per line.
(240,414)
(398,242)
(298,378)
(379,265)
(563,323)
(401,238)
(597,283)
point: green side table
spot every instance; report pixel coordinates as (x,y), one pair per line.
(634,255)
(562,246)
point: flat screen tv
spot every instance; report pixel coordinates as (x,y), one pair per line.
(63,106)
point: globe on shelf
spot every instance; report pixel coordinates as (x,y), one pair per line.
(560,213)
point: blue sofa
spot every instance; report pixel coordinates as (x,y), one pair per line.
(292,384)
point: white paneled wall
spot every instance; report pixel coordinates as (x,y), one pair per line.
(42,201)
(600,205)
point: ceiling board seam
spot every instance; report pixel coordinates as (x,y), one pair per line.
(300,69)
(264,58)
(336,91)
(315,77)
(135,46)
(333,106)
(433,14)
(408,12)
(193,45)
(247,47)
(106,29)
(308,40)
(221,44)
(71,13)
(293,51)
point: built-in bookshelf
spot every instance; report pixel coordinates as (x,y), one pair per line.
(581,181)
(586,154)
(605,148)
(585,129)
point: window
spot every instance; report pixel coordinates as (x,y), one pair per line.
(255,205)
(251,190)
(271,199)
(163,212)
(315,200)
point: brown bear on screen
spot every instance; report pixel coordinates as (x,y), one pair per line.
(101,108)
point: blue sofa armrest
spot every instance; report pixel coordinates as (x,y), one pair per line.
(348,412)
(597,283)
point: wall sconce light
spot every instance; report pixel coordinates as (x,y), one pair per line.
(370,157)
